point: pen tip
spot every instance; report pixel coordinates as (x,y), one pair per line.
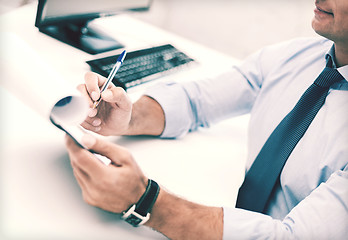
(95,104)
(122,56)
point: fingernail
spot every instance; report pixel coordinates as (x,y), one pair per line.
(94,95)
(92,112)
(96,122)
(88,140)
(107,94)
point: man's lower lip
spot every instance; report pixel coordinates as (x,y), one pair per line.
(318,10)
(321,13)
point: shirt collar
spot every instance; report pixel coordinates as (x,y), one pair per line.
(342,70)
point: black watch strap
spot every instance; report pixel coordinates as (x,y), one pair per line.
(139,213)
(148,199)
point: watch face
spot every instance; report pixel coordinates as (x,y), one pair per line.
(134,220)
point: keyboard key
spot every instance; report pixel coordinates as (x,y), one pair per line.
(142,64)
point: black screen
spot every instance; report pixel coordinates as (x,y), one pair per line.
(67,21)
(60,11)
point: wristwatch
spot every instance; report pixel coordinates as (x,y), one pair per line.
(139,213)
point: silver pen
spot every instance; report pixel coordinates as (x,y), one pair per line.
(111,76)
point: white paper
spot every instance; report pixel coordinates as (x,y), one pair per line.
(34,82)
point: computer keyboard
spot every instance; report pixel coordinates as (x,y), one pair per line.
(142,65)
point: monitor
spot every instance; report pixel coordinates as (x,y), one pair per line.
(67,21)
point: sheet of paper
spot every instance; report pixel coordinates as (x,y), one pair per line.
(34,82)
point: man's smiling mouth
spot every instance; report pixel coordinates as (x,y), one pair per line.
(321,10)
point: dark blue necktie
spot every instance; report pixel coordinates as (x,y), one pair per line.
(265,171)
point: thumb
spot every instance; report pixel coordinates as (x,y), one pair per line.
(117,154)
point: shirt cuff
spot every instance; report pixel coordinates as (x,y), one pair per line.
(244,224)
(176,106)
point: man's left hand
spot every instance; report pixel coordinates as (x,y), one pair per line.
(114,187)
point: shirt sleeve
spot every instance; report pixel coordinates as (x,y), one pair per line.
(321,215)
(190,105)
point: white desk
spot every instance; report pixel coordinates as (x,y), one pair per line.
(40,198)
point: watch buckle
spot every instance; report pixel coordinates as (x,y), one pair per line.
(134,218)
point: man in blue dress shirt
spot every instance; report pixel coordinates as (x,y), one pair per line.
(311,199)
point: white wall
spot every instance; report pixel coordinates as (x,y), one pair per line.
(236,27)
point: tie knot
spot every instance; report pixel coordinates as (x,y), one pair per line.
(328,77)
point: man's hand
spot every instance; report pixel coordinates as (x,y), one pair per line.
(113,114)
(116,187)
(113,188)
(116,115)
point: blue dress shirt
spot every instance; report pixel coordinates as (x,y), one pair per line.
(311,199)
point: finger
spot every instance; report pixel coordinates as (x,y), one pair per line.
(83,187)
(89,126)
(84,160)
(79,173)
(83,181)
(92,112)
(96,122)
(81,178)
(93,82)
(118,96)
(82,89)
(93,121)
(117,154)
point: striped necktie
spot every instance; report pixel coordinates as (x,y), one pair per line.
(265,171)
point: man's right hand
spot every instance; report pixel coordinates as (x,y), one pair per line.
(113,114)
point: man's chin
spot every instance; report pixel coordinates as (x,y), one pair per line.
(321,30)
